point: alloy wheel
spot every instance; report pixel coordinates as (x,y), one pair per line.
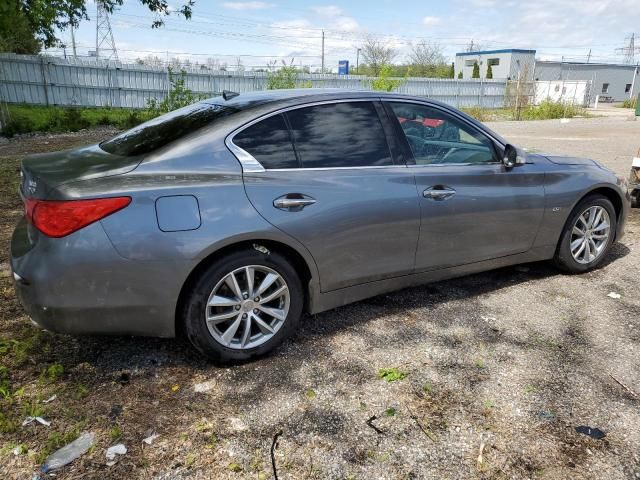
(247,307)
(590,234)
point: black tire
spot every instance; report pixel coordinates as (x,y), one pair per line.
(195,305)
(563,258)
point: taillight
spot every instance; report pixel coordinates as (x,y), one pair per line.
(58,218)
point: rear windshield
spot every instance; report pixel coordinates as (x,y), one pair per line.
(163,130)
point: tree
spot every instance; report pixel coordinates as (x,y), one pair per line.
(179,95)
(426,58)
(489,71)
(377,54)
(476,70)
(384,83)
(452,70)
(460,75)
(284,77)
(39,21)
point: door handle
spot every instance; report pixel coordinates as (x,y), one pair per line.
(293,202)
(438,193)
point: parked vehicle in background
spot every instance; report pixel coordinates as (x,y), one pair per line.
(230,218)
(634,181)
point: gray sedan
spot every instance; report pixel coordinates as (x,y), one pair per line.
(229,218)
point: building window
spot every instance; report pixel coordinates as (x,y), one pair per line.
(469,63)
(627,88)
(605,88)
(493,62)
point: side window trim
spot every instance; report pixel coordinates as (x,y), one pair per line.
(250,165)
(403,139)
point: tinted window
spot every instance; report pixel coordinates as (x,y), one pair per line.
(162,130)
(269,143)
(339,135)
(437,137)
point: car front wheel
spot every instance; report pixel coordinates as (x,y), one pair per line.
(587,236)
(243,306)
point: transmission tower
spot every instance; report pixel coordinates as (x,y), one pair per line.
(105,44)
(629,50)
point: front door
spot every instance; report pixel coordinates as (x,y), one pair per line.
(330,182)
(472,207)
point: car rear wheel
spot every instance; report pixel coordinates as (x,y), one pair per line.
(587,235)
(243,306)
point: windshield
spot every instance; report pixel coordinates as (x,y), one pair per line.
(162,130)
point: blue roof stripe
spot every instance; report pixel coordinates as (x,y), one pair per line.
(484,52)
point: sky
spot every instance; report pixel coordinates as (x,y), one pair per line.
(260,32)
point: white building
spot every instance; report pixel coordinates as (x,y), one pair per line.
(511,63)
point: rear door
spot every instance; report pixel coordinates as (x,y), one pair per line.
(473,208)
(325,176)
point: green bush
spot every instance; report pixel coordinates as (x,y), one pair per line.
(630,103)
(476,70)
(550,110)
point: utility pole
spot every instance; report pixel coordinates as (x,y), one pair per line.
(629,51)
(322,68)
(358,60)
(589,56)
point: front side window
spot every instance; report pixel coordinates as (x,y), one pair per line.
(269,142)
(345,134)
(436,137)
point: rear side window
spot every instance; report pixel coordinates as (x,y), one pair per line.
(269,142)
(165,129)
(346,134)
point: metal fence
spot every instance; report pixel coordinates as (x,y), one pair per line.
(42,80)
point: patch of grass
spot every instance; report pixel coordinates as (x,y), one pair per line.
(81,392)
(391,412)
(5,382)
(53,372)
(530,389)
(56,440)
(7,424)
(310,394)
(33,408)
(488,405)
(479,363)
(551,110)
(427,388)
(629,103)
(391,374)
(115,433)
(234,467)
(37,118)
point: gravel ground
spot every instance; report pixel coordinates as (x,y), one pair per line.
(494,371)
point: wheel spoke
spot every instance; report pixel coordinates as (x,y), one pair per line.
(584,221)
(274,295)
(599,236)
(262,325)
(230,332)
(598,217)
(577,253)
(250,274)
(220,317)
(218,301)
(592,213)
(274,312)
(588,254)
(232,283)
(604,224)
(247,331)
(266,283)
(577,231)
(576,243)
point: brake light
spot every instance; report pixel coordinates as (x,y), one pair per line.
(58,218)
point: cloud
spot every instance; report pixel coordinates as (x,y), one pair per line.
(328,11)
(247,5)
(430,21)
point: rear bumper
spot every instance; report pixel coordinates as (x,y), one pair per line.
(80,285)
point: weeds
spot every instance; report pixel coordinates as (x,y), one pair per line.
(391,374)
(551,110)
(630,103)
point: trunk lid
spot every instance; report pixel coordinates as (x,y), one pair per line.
(44,172)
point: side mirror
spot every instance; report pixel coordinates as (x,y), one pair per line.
(514,156)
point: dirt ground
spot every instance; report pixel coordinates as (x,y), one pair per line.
(493,372)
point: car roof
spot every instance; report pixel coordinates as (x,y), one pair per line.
(243,101)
